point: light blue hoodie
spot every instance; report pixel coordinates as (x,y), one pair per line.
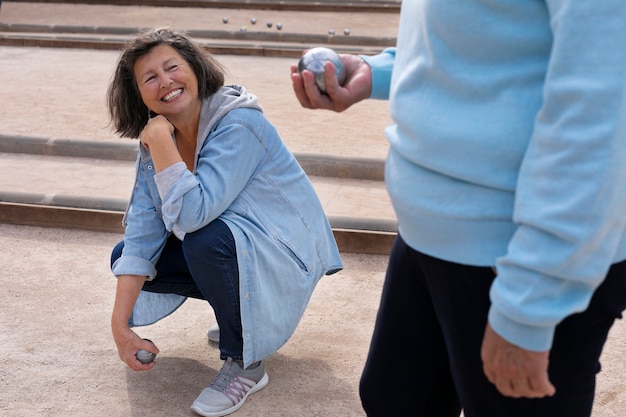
(246,176)
(508,147)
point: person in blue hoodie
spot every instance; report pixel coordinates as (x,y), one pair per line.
(507,172)
(220,210)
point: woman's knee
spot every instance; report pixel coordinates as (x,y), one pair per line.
(214,239)
(116,253)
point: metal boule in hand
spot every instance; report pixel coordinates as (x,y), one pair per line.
(315,59)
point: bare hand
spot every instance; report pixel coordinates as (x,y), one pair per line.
(157,128)
(357,86)
(128,344)
(514,371)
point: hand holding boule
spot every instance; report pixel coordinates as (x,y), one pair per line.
(315,59)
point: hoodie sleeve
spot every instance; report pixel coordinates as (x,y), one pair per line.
(382,66)
(570,197)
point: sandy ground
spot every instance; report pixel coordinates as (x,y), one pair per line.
(57,357)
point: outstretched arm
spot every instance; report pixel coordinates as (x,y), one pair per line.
(127,341)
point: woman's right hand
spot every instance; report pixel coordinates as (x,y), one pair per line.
(157,128)
(128,344)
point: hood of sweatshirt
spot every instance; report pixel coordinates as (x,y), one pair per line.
(215,107)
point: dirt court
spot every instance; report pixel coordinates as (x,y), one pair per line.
(57,357)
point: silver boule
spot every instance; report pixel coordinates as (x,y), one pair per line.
(346,32)
(279,26)
(144,356)
(314,59)
(225,19)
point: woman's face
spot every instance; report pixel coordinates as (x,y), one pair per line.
(166,82)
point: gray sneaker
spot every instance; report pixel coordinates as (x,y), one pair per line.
(214,334)
(229,389)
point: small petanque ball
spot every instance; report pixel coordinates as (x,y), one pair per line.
(144,356)
(225,19)
(243,28)
(279,26)
(314,59)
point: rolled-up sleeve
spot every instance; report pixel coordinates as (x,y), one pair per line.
(173,183)
(145,234)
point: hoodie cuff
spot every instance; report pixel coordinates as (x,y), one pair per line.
(538,339)
(382,66)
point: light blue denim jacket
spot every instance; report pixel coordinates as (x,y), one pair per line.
(245,176)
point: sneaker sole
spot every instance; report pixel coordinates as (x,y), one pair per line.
(257,387)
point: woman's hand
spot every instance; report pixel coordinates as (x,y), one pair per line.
(128,344)
(158,128)
(357,86)
(156,136)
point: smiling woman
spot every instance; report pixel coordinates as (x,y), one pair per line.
(139,68)
(221,211)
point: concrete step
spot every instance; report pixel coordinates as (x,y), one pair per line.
(86,185)
(221,42)
(379,6)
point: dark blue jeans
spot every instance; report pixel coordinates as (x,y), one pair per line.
(203,266)
(425,352)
